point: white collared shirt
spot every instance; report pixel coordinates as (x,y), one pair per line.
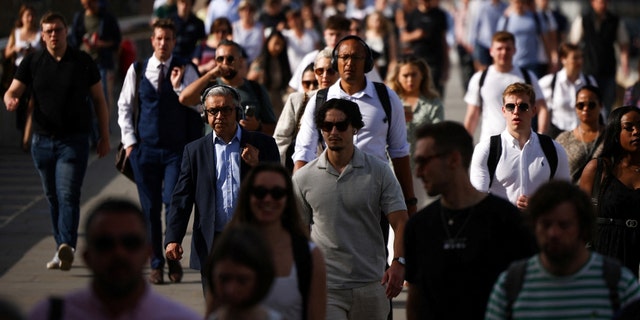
(562,106)
(519,171)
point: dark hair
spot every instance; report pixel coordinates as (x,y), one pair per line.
(553,193)
(611,147)
(264,60)
(165,24)
(566,48)
(427,88)
(235,45)
(448,136)
(220,22)
(309,67)
(51,17)
(337,22)
(349,108)
(520,88)
(291,218)
(503,36)
(24,8)
(114,206)
(595,90)
(243,244)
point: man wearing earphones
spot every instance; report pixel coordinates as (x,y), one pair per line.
(210,176)
(155,127)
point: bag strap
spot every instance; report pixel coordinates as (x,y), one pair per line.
(483,76)
(296,129)
(611,271)
(304,266)
(513,284)
(495,150)
(321,98)
(550,153)
(553,85)
(56,307)
(383,96)
(525,75)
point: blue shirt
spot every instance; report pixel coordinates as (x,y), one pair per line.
(228,177)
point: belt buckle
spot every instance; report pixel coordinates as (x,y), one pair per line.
(630,223)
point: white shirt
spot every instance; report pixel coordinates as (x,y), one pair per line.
(491,103)
(127,94)
(562,105)
(372,138)
(519,171)
(298,47)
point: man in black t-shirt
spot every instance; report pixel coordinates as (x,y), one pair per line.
(456,247)
(62,79)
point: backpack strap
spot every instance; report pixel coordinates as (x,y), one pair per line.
(321,98)
(550,153)
(257,91)
(304,266)
(513,284)
(611,271)
(553,84)
(495,150)
(56,307)
(483,76)
(526,75)
(383,96)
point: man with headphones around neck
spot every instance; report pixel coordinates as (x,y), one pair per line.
(210,176)
(352,58)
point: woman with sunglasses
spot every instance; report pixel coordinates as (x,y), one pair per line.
(582,142)
(289,121)
(267,201)
(613,180)
(204,54)
(411,80)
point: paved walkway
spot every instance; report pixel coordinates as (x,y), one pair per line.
(25,228)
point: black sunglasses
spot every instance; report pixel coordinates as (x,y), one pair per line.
(276,192)
(328,126)
(230,59)
(308,83)
(581,105)
(224,110)
(524,107)
(131,242)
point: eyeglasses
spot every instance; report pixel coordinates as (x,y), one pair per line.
(328,126)
(581,105)
(224,110)
(352,57)
(321,71)
(308,83)
(131,242)
(51,31)
(221,59)
(523,107)
(423,161)
(276,193)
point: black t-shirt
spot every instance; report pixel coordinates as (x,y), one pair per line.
(61,90)
(455,268)
(434,25)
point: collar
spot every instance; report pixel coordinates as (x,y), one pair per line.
(237,136)
(155,63)
(357,161)
(369,90)
(506,136)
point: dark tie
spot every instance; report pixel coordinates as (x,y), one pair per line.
(160,77)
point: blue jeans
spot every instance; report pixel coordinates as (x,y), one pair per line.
(156,173)
(62,163)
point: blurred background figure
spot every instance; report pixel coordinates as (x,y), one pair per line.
(247,32)
(271,69)
(239,272)
(189,29)
(204,55)
(632,94)
(582,142)
(380,35)
(484,24)
(300,40)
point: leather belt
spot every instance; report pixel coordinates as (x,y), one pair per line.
(629,223)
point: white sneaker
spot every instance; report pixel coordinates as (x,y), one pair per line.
(54,263)
(65,255)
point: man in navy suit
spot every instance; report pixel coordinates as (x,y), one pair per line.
(210,176)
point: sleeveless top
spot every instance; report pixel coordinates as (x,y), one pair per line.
(614,239)
(35,44)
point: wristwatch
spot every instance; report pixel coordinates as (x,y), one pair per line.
(411,201)
(400,260)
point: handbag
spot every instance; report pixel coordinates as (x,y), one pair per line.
(122,163)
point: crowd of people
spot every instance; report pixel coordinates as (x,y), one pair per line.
(294,134)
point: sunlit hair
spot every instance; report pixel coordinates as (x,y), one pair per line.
(166,24)
(556,192)
(291,218)
(427,88)
(503,36)
(519,88)
(219,23)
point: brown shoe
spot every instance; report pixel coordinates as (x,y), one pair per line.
(156,277)
(175,271)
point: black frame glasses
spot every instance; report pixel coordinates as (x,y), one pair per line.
(341,126)
(107,243)
(590,104)
(522,107)
(276,193)
(224,110)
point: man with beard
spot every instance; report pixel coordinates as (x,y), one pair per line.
(230,70)
(566,278)
(116,252)
(457,246)
(344,220)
